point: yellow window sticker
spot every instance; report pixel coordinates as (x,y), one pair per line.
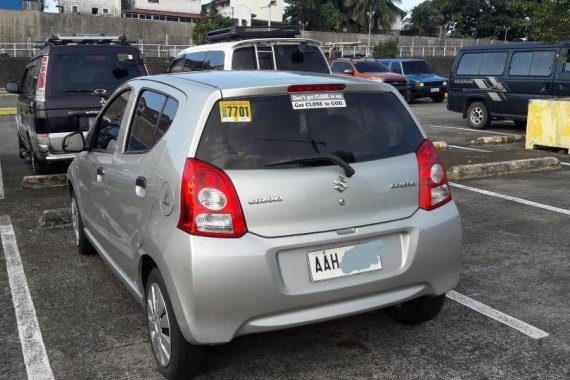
(235,111)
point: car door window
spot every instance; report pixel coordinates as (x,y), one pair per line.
(166,118)
(214,60)
(110,123)
(147,114)
(194,61)
(30,80)
(336,67)
(395,67)
(567,61)
(528,63)
(176,66)
(244,59)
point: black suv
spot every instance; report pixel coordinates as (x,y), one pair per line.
(63,89)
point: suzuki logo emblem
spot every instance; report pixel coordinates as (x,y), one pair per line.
(340,184)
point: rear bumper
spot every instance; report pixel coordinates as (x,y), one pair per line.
(257,284)
(48,147)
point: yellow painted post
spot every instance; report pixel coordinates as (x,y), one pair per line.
(548,123)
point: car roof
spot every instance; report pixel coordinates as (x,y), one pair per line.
(402,59)
(225,79)
(515,45)
(231,44)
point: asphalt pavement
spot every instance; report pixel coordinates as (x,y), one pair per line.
(512,321)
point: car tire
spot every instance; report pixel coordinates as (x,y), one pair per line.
(410,98)
(417,311)
(84,246)
(38,168)
(478,115)
(21,147)
(438,98)
(184,359)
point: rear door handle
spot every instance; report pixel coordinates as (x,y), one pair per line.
(141,182)
(100,174)
(140,186)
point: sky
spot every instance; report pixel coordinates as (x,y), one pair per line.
(406,5)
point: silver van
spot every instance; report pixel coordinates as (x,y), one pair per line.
(233,203)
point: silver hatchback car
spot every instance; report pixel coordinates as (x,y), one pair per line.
(233,203)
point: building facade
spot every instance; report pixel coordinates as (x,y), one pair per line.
(20,5)
(164,10)
(246,12)
(111,8)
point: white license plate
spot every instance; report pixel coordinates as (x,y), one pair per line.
(345,261)
(436,89)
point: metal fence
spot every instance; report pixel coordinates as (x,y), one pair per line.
(27,49)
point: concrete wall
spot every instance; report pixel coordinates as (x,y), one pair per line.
(441,65)
(23,26)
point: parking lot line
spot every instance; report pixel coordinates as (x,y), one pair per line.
(1,183)
(33,348)
(563,163)
(514,199)
(472,130)
(473,149)
(488,311)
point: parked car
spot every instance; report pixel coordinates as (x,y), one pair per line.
(253,48)
(497,81)
(232,203)
(63,88)
(422,81)
(371,70)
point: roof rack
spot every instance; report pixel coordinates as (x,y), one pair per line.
(85,39)
(237,33)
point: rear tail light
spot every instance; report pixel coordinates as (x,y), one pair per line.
(41,86)
(434,188)
(209,204)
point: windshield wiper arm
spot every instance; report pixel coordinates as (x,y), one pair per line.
(348,170)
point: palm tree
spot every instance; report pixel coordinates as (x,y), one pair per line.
(384,12)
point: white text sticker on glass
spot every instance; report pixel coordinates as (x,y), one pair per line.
(317,100)
(235,111)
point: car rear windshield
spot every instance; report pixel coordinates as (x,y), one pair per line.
(371,126)
(87,72)
(416,67)
(371,67)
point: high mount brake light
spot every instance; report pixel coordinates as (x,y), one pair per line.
(434,188)
(209,204)
(315,87)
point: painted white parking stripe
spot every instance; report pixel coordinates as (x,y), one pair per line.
(473,149)
(488,311)
(33,348)
(1,183)
(563,163)
(472,130)
(514,199)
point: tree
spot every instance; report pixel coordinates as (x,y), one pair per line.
(547,20)
(331,17)
(211,20)
(424,20)
(304,12)
(384,15)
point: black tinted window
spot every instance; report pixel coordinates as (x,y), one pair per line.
(300,58)
(87,72)
(176,65)
(482,64)
(110,123)
(395,67)
(538,63)
(165,121)
(147,113)
(416,67)
(370,127)
(194,61)
(244,59)
(30,81)
(370,67)
(214,60)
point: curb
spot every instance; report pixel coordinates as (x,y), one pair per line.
(7,111)
(55,217)
(495,140)
(440,145)
(42,181)
(503,168)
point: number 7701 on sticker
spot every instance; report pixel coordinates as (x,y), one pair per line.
(235,111)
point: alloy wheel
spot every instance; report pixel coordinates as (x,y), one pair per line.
(477,115)
(159,325)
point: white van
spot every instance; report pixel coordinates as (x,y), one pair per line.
(253,48)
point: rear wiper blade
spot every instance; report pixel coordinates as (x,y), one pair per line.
(348,170)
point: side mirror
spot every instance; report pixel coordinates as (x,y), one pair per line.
(348,71)
(13,87)
(73,143)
